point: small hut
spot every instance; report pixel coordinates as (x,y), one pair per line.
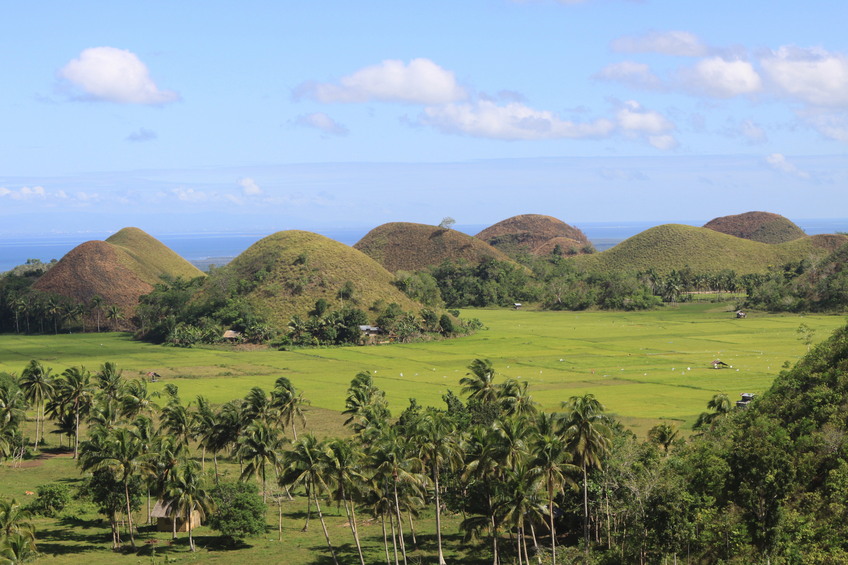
(232,336)
(164,520)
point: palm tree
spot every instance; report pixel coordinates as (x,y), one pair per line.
(259,447)
(110,381)
(308,464)
(663,435)
(113,314)
(551,457)
(720,405)
(438,447)
(225,431)
(586,431)
(515,400)
(176,420)
(16,520)
(54,308)
(121,452)
(365,404)
(257,406)
(344,466)
(37,384)
(74,392)
(185,494)
(17,548)
(203,426)
(395,465)
(479,384)
(523,483)
(289,404)
(137,400)
(483,469)
(96,306)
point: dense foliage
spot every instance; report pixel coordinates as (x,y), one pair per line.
(803,286)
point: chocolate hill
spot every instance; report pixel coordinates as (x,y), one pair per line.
(119,270)
(534,233)
(674,246)
(402,246)
(284,274)
(764,227)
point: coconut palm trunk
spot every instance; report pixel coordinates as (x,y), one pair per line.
(324,527)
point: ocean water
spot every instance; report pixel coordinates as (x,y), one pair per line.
(219,248)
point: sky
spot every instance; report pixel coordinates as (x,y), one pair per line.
(221,116)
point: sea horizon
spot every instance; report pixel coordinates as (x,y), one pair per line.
(218,248)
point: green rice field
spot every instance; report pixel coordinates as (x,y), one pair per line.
(644,366)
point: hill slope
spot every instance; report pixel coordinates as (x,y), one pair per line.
(764,227)
(150,258)
(672,246)
(402,246)
(529,233)
(287,272)
(120,270)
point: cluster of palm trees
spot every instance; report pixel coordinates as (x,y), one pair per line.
(497,459)
(17,534)
(44,312)
(501,462)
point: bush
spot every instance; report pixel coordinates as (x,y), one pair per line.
(52,499)
(240,511)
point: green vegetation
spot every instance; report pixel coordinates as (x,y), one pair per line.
(802,286)
(671,246)
(509,462)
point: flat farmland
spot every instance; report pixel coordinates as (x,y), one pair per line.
(643,366)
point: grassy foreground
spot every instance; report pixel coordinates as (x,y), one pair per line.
(644,366)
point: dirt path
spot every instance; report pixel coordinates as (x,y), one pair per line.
(39,460)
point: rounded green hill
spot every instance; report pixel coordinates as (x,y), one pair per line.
(673,246)
(286,273)
(402,246)
(764,227)
(119,270)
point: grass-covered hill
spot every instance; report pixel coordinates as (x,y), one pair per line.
(533,233)
(401,246)
(673,246)
(149,258)
(286,273)
(764,227)
(119,270)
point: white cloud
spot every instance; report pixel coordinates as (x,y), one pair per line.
(189,195)
(680,43)
(833,125)
(421,82)
(114,75)
(813,75)
(636,121)
(511,121)
(638,75)
(249,187)
(24,193)
(778,162)
(322,122)
(721,78)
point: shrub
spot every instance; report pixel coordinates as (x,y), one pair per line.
(240,511)
(52,499)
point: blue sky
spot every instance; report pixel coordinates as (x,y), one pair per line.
(222,116)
